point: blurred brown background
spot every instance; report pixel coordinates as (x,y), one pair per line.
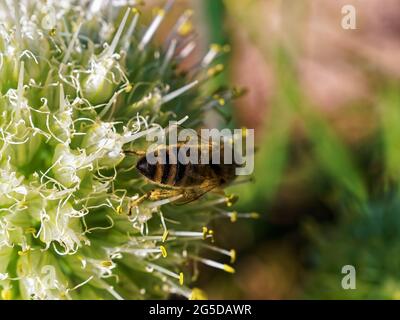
(321,98)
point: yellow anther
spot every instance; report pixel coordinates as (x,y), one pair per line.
(6,294)
(233,255)
(226,48)
(230,200)
(135,11)
(128,88)
(181,278)
(21,204)
(211,233)
(163,251)
(237,92)
(228,268)
(234,216)
(215,70)
(119,210)
(205,230)
(106,264)
(185,29)
(159,12)
(24,252)
(255,215)
(30,230)
(52,32)
(165,236)
(221,102)
(189,12)
(211,72)
(219,67)
(197,294)
(396,295)
(244,132)
(216,47)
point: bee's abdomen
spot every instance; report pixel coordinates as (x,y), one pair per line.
(180,173)
(172,173)
(166,169)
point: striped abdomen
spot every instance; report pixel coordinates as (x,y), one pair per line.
(176,174)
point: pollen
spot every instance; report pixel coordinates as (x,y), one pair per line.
(228,268)
(197,294)
(6,294)
(159,12)
(185,29)
(213,71)
(233,255)
(231,200)
(226,48)
(128,88)
(254,215)
(165,236)
(163,251)
(216,47)
(106,264)
(237,92)
(135,11)
(205,231)
(23,252)
(30,230)
(211,234)
(234,216)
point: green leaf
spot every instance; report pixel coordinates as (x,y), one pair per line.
(334,156)
(389,110)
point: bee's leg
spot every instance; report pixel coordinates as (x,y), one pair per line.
(138,153)
(161,194)
(156,195)
(180,196)
(135,203)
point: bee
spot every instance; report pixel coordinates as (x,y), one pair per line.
(185,180)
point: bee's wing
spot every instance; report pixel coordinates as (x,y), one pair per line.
(197,193)
(201,140)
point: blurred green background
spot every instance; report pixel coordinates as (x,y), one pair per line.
(325,104)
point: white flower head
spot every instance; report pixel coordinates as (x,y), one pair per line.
(83,85)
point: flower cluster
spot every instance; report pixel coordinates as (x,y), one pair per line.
(79,84)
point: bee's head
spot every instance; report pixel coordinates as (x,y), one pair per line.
(145,168)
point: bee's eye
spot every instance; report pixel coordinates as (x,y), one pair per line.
(145,168)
